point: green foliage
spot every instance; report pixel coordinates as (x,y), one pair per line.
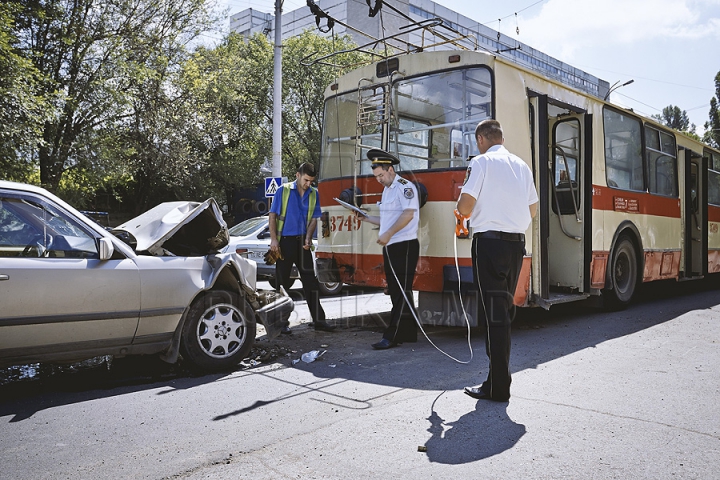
(229,88)
(100,61)
(712,126)
(22,107)
(677,119)
(303,93)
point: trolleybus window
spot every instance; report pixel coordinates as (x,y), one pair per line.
(713,177)
(339,130)
(661,162)
(623,154)
(429,122)
(445,108)
(567,153)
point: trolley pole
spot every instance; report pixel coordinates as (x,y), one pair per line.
(277,94)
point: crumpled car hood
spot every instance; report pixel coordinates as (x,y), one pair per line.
(183,228)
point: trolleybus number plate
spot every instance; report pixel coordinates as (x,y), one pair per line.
(346,223)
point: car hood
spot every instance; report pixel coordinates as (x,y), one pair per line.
(177,228)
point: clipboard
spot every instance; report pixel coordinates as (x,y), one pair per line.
(351,207)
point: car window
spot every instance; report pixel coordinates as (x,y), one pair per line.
(30,227)
(248,226)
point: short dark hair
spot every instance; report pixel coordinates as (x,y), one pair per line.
(384,166)
(490,129)
(308,169)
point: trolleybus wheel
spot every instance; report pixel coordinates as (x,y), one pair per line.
(623,274)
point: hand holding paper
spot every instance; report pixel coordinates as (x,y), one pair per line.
(349,206)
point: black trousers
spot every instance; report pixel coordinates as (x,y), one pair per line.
(496,268)
(401,258)
(293,253)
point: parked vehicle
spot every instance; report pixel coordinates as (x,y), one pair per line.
(158,284)
(251,239)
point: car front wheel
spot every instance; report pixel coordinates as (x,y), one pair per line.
(218,332)
(330,288)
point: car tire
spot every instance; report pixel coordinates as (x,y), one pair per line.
(330,288)
(218,332)
(273,283)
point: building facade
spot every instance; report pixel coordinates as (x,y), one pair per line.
(364,29)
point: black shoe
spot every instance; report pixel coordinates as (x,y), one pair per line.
(479,394)
(286,330)
(323,326)
(383,344)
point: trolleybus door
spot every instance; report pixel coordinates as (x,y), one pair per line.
(561,264)
(695,215)
(565,173)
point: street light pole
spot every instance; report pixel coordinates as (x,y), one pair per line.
(615,86)
(277,94)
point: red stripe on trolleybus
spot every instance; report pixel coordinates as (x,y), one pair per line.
(612,199)
(442,186)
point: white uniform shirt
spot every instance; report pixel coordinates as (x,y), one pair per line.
(399,196)
(503,187)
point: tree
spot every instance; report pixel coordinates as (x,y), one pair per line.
(229,87)
(675,118)
(97,58)
(303,93)
(22,107)
(712,126)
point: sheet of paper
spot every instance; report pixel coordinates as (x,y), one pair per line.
(351,207)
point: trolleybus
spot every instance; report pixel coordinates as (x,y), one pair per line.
(623,199)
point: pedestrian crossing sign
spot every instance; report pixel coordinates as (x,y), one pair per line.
(271,186)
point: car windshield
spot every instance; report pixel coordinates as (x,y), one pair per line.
(248,226)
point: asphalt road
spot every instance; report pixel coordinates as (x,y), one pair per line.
(629,394)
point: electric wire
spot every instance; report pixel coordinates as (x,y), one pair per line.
(462,305)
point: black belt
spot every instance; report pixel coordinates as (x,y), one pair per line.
(294,236)
(508,237)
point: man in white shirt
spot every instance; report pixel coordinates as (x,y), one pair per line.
(398,221)
(500,199)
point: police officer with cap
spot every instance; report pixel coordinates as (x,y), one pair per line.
(398,221)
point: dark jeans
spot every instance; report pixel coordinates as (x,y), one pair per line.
(496,268)
(293,253)
(403,256)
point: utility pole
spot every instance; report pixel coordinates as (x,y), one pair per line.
(277,94)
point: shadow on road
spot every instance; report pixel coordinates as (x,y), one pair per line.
(479,434)
(538,337)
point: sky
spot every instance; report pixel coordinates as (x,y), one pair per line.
(670,48)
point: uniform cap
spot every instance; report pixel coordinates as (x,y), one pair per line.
(381,157)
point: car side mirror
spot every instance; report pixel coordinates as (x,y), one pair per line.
(105,248)
(263,234)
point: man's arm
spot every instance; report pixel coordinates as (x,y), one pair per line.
(399,224)
(533,209)
(465,204)
(309,235)
(274,244)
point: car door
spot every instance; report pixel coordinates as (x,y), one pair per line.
(59,300)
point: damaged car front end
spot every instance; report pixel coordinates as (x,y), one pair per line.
(72,290)
(197,229)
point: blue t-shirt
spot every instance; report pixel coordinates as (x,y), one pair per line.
(296,212)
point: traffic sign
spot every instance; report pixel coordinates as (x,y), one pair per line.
(271,186)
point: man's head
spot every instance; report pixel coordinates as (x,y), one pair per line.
(305,176)
(383,165)
(487,134)
(384,174)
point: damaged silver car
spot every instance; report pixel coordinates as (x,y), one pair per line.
(158,284)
